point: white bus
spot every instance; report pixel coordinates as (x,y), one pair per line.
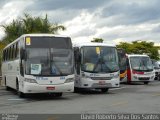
(139,69)
(39,63)
(96,66)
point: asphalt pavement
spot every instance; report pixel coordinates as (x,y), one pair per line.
(134,98)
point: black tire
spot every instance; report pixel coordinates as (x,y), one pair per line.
(58,94)
(8,88)
(19,93)
(104,90)
(146,83)
(76,90)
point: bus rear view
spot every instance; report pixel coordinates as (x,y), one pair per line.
(96,66)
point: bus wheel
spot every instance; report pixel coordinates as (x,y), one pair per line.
(19,93)
(104,90)
(58,94)
(146,83)
(5,82)
(76,90)
(8,88)
(128,82)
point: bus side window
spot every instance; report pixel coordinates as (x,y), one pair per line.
(9,53)
(12,52)
(6,56)
(3,56)
(17,50)
(15,54)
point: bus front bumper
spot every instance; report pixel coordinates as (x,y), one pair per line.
(91,84)
(141,78)
(37,88)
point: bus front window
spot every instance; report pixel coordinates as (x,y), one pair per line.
(37,61)
(47,57)
(100,59)
(141,63)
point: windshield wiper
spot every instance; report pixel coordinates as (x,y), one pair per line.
(101,61)
(60,72)
(52,61)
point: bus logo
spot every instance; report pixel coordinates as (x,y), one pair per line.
(62,78)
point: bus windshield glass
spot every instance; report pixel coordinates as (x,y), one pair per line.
(49,56)
(141,63)
(99,59)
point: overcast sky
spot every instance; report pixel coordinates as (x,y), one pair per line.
(112,20)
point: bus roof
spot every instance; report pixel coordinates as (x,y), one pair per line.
(92,44)
(36,35)
(43,34)
(137,55)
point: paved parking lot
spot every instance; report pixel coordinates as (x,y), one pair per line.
(134,98)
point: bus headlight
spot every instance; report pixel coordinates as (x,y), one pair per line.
(152,77)
(85,76)
(135,77)
(116,75)
(69,80)
(30,80)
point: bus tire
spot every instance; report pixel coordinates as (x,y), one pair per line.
(76,89)
(104,90)
(8,88)
(146,82)
(19,93)
(58,94)
(5,82)
(128,82)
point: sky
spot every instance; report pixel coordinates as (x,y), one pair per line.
(112,20)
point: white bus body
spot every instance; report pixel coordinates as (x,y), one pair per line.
(140,69)
(39,63)
(102,72)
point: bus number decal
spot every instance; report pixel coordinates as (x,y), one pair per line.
(28,41)
(41,78)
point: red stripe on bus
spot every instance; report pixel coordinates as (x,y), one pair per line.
(128,75)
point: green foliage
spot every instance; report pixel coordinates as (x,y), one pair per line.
(100,40)
(29,24)
(143,47)
(26,25)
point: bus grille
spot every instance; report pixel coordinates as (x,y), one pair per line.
(101,78)
(144,78)
(106,85)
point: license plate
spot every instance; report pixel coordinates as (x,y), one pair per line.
(102,82)
(147,73)
(50,88)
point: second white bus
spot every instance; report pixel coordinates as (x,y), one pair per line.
(96,66)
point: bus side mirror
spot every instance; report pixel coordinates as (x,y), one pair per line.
(22,54)
(77,54)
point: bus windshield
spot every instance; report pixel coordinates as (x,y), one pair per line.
(99,59)
(49,56)
(141,63)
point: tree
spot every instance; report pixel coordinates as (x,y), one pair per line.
(2,45)
(29,24)
(100,40)
(142,47)
(26,25)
